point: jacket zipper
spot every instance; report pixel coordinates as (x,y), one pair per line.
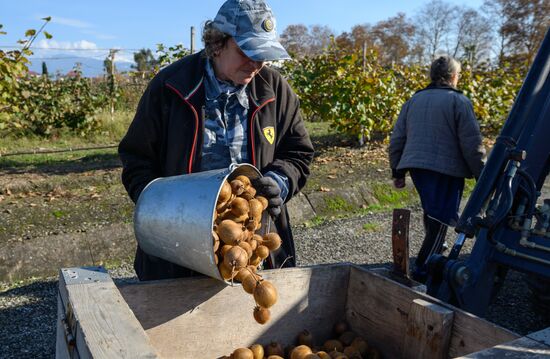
(252,128)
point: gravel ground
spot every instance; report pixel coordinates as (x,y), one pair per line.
(28,311)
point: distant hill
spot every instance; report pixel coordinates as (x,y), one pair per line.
(90,67)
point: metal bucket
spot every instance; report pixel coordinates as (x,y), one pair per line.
(174,216)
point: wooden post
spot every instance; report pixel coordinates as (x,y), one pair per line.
(429,328)
(112,84)
(400,241)
(192,39)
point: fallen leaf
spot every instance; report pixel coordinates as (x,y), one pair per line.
(331,176)
(32,204)
(324,189)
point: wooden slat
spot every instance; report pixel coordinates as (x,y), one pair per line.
(542,336)
(523,348)
(428,331)
(204,318)
(378,309)
(101,321)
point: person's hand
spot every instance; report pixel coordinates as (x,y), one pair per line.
(399,182)
(268,187)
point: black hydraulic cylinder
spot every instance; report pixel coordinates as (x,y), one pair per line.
(524,110)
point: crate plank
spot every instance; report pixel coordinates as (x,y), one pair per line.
(378,309)
(204,318)
(100,320)
(522,348)
(428,330)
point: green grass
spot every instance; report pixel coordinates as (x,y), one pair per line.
(388,196)
(371,227)
(110,132)
(318,129)
(338,204)
(468,187)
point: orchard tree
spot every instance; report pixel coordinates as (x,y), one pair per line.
(434,23)
(393,37)
(473,39)
(522,25)
(295,39)
(145,61)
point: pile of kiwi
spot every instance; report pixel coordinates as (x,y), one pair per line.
(239,250)
(346,345)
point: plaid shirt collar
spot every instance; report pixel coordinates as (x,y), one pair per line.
(214,87)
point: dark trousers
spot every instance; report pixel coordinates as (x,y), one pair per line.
(440,195)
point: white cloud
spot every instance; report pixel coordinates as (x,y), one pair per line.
(83,48)
(71,22)
(53,48)
(67,45)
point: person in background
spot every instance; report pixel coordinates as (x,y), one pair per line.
(436,138)
(217,107)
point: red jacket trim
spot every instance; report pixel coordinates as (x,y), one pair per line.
(186,100)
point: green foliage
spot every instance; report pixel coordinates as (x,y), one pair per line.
(167,55)
(38,105)
(47,106)
(360,97)
(492,92)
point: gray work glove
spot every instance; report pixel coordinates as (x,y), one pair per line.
(268,188)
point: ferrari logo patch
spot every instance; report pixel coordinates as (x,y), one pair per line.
(269,133)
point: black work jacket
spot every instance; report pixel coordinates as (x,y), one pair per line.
(166,136)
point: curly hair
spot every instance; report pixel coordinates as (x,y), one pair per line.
(214,40)
(443,69)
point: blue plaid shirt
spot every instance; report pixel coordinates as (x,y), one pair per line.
(225,136)
(225,112)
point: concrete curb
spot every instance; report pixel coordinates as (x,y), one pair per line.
(41,257)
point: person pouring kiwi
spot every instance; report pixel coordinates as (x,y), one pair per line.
(220,106)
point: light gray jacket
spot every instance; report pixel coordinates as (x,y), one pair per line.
(437,130)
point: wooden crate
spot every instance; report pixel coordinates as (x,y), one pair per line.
(204,318)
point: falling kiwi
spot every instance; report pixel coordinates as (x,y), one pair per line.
(230,232)
(236,258)
(265,294)
(249,284)
(262,252)
(261,315)
(239,207)
(238,251)
(272,241)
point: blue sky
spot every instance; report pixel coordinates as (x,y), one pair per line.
(132,25)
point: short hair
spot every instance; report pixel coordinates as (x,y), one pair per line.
(443,68)
(214,40)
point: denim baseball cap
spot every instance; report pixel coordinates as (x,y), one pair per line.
(252,24)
